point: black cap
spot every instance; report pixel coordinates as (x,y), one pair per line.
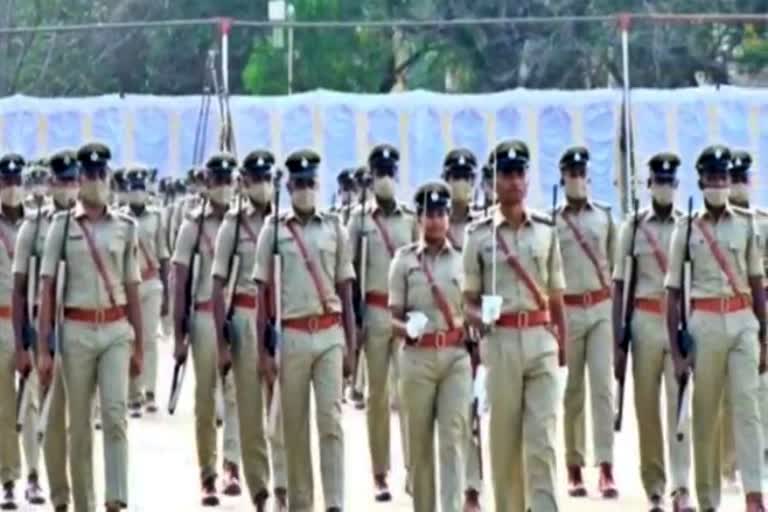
(433,195)
(258,162)
(510,155)
(346,179)
(384,157)
(94,155)
(574,156)
(362,176)
(64,165)
(12,164)
(487,171)
(165,185)
(137,178)
(714,159)
(180,185)
(153,174)
(741,161)
(118,179)
(221,164)
(37,172)
(662,164)
(302,164)
(461,162)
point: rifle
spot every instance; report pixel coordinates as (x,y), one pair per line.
(179,370)
(361,252)
(685,342)
(273,329)
(55,338)
(628,301)
(230,334)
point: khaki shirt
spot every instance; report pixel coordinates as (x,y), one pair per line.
(327,246)
(185,247)
(27,244)
(181,210)
(596,225)
(458,227)
(740,243)
(402,227)
(153,246)
(115,237)
(534,244)
(409,288)
(251,222)
(8,232)
(650,276)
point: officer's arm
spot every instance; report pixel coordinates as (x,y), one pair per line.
(182,256)
(47,307)
(672,284)
(223,249)
(54,241)
(163,254)
(19,308)
(612,238)
(345,275)
(555,288)
(131,281)
(472,282)
(262,270)
(622,250)
(397,295)
(756,275)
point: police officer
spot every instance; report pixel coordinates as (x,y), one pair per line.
(197,236)
(101,337)
(36,184)
(347,194)
(645,237)
(153,264)
(119,187)
(388,225)
(727,323)
(195,189)
(435,371)
(317,317)
(237,236)
(63,188)
(523,313)
(459,172)
(587,233)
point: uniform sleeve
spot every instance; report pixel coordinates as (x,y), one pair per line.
(131,273)
(397,285)
(353,232)
(344,267)
(612,242)
(555,265)
(754,252)
(471,262)
(415,230)
(262,265)
(223,249)
(161,238)
(23,250)
(622,251)
(52,247)
(182,254)
(676,255)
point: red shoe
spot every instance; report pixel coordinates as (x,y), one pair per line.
(231,480)
(576,487)
(210,499)
(606,486)
(471,501)
(681,501)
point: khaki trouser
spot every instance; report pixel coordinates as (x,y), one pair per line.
(379,348)
(250,402)
(474,473)
(150,317)
(726,356)
(727,443)
(231,437)
(312,359)
(277,453)
(590,346)
(435,386)
(55,438)
(10,455)
(97,356)
(652,365)
(523,394)
(29,440)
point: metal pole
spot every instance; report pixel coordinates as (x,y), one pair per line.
(225,25)
(290,13)
(628,181)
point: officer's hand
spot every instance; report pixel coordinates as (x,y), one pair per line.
(164,307)
(349,364)
(682,366)
(268,369)
(23,363)
(763,361)
(619,363)
(45,368)
(137,362)
(225,359)
(180,351)
(561,361)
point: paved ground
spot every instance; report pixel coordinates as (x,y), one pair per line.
(164,472)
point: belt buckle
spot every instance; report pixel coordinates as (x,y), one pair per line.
(587,299)
(523,320)
(440,339)
(313,324)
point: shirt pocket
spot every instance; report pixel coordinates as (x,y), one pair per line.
(736,255)
(418,292)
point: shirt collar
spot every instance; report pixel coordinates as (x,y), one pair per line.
(397,211)
(79,211)
(651,215)
(421,246)
(498,218)
(704,213)
(291,215)
(587,206)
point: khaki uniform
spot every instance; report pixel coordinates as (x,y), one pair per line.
(310,357)
(379,345)
(55,440)
(204,350)
(96,355)
(589,330)
(245,360)
(435,383)
(522,363)
(153,249)
(651,361)
(727,350)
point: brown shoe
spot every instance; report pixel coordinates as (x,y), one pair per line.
(655,503)
(281,499)
(755,502)
(231,479)
(33,493)
(681,501)
(471,501)
(9,497)
(606,486)
(61,508)
(576,487)
(210,499)
(382,493)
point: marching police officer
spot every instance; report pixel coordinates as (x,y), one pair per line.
(101,338)
(523,313)
(435,370)
(63,189)
(645,237)
(315,287)
(727,324)
(195,189)
(587,234)
(348,194)
(459,172)
(388,225)
(36,184)
(153,264)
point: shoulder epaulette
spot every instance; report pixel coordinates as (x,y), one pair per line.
(542,218)
(743,212)
(484,222)
(601,205)
(407,209)
(761,212)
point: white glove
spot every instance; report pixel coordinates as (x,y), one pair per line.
(416,322)
(491,308)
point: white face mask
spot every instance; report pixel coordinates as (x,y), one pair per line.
(65,196)
(740,192)
(664,195)
(221,194)
(259,193)
(137,197)
(384,188)
(303,199)
(716,196)
(95,191)
(12,195)
(461,191)
(575,188)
